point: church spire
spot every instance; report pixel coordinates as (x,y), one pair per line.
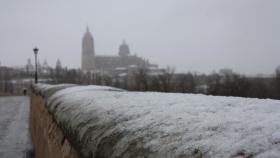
(87,29)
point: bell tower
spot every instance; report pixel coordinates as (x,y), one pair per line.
(88,53)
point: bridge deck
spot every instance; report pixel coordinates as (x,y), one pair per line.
(14,128)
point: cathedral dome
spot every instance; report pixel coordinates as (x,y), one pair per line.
(124,49)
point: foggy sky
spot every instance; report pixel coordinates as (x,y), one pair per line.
(191,35)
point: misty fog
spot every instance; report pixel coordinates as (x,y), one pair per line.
(194,35)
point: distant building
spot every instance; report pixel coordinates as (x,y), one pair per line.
(42,69)
(88,53)
(114,65)
(29,66)
(226,71)
(45,69)
(58,64)
(278,70)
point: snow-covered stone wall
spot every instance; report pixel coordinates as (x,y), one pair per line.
(105,122)
(48,139)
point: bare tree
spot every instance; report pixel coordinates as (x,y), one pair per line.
(165,79)
(141,79)
(276,84)
(185,83)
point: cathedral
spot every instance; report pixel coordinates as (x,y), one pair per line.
(110,64)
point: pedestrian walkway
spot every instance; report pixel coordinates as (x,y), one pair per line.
(14,127)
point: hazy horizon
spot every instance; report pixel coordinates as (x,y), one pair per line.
(195,35)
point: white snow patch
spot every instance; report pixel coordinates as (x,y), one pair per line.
(168,125)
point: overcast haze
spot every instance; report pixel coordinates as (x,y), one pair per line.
(191,35)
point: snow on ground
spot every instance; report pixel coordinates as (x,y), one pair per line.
(114,123)
(14,131)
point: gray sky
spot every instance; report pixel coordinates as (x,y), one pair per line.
(191,35)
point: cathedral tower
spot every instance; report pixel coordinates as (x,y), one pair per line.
(88,59)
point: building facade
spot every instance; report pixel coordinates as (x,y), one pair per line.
(114,64)
(88,52)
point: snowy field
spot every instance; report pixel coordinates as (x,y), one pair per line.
(109,123)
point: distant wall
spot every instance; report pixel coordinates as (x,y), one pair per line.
(48,139)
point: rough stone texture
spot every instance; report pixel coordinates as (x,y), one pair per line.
(48,139)
(103,122)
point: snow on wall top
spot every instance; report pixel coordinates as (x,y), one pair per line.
(104,122)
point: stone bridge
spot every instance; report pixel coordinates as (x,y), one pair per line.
(103,122)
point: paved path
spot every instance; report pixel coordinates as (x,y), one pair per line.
(14,128)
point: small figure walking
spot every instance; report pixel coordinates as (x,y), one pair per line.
(24,91)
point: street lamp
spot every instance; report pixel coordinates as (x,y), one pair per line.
(36,71)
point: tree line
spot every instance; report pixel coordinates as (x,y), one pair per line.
(142,79)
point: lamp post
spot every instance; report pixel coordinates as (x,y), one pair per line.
(36,71)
